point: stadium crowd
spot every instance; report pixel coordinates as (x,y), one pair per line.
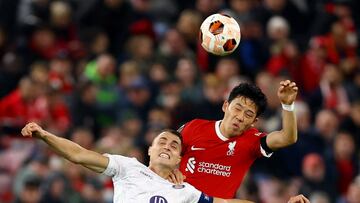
(111,74)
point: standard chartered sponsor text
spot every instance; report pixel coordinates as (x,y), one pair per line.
(215,169)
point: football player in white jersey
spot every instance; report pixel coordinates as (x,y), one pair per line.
(133,181)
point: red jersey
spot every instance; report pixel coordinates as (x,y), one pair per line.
(215,164)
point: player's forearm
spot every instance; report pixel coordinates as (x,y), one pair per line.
(289,127)
(65,148)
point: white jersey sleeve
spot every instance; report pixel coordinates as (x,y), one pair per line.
(118,166)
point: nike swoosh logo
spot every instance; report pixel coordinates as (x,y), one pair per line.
(196,148)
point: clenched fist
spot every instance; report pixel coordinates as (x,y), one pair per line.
(32,130)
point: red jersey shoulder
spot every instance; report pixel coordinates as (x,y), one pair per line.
(194,125)
(195,129)
(254,132)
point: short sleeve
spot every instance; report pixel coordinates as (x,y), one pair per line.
(264,148)
(192,194)
(260,148)
(118,165)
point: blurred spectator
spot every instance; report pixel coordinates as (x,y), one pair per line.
(92,192)
(172,48)
(140,49)
(36,168)
(344,158)
(116,140)
(326,124)
(286,9)
(97,42)
(188,25)
(30,193)
(31,14)
(139,96)
(39,72)
(284,54)
(351,124)
(83,137)
(212,90)
(83,107)
(102,73)
(159,118)
(319,197)
(226,68)
(313,64)
(315,177)
(61,73)
(18,108)
(187,74)
(353,193)
(208,7)
(56,185)
(331,93)
(158,74)
(98,13)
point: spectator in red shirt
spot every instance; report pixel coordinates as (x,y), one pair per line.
(17,108)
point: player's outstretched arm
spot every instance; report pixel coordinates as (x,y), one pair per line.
(288,134)
(219,200)
(68,149)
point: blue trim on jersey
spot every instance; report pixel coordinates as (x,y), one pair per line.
(204,198)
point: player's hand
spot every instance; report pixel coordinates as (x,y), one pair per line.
(176,177)
(298,199)
(32,130)
(287,92)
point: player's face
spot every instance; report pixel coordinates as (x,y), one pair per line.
(165,150)
(240,115)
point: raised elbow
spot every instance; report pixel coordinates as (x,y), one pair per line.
(293,139)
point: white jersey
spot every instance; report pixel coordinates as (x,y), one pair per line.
(134,182)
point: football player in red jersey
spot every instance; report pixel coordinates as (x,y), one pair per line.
(221,152)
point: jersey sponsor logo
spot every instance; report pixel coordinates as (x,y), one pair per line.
(193,148)
(190,166)
(146,174)
(178,186)
(209,168)
(231,147)
(158,199)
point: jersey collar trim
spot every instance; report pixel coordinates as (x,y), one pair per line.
(218,132)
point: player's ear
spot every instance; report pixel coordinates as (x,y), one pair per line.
(149,150)
(179,160)
(255,120)
(225,105)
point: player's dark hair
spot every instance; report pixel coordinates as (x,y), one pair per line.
(252,92)
(174,132)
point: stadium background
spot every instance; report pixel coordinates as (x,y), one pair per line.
(110,74)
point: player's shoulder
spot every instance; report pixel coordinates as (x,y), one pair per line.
(254,132)
(123,159)
(199,122)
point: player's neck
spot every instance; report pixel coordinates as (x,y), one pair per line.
(160,170)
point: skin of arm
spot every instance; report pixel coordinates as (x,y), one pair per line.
(68,149)
(288,135)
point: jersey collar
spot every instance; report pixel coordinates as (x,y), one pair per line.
(218,132)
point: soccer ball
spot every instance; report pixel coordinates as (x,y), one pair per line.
(220,34)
